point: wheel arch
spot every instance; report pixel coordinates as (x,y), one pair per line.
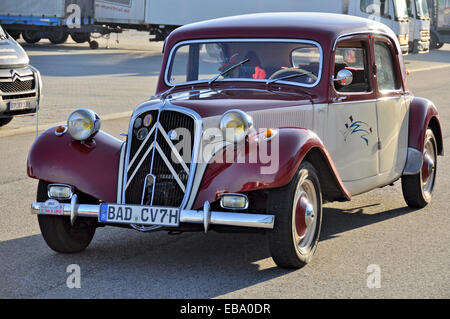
(330,183)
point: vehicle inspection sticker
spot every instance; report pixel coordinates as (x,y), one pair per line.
(134,214)
(51,207)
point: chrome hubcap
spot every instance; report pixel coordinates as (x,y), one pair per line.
(428,167)
(304,215)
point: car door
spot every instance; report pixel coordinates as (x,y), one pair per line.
(351,132)
(391,108)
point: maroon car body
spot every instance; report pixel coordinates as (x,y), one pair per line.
(315,77)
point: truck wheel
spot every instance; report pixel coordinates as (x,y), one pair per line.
(80,37)
(58,232)
(435,41)
(93,45)
(58,37)
(298,218)
(417,189)
(31,36)
(5,120)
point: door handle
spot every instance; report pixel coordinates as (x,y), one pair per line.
(339,99)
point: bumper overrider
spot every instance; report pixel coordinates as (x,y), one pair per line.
(205,216)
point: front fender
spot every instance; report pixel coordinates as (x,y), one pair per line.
(294,145)
(91,167)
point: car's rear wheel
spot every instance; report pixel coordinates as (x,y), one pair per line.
(298,218)
(59,234)
(417,189)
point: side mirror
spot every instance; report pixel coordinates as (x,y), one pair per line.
(344,77)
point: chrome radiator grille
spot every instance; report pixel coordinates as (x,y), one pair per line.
(158,165)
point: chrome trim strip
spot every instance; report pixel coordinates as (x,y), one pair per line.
(186,216)
(175,152)
(141,147)
(345,35)
(139,165)
(170,167)
(16,77)
(120,173)
(169,60)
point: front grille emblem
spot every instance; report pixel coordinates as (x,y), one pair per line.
(148,120)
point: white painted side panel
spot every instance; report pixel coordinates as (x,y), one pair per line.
(393,121)
(352,139)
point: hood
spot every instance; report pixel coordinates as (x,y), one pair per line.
(12,55)
(210,103)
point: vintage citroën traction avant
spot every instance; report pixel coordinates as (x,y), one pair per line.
(313,108)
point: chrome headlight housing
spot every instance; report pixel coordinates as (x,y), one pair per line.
(83,124)
(235,125)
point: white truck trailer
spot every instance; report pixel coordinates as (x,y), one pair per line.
(52,19)
(163,16)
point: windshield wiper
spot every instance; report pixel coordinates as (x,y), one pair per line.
(231,68)
(290,76)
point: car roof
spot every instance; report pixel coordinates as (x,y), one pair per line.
(321,27)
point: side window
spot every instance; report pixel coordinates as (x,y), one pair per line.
(353,57)
(386,75)
(375,7)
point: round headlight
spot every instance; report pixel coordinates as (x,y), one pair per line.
(83,124)
(235,124)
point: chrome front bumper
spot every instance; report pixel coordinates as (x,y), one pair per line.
(205,216)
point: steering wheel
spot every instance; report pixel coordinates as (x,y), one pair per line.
(295,70)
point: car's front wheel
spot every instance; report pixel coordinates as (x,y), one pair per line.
(417,189)
(298,218)
(59,234)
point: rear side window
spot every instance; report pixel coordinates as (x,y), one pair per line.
(386,75)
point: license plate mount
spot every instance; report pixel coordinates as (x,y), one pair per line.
(142,215)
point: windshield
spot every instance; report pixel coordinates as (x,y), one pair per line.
(203,61)
(400,9)
(422,8)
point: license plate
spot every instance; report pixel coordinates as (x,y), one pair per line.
(19,105)
(142,215)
